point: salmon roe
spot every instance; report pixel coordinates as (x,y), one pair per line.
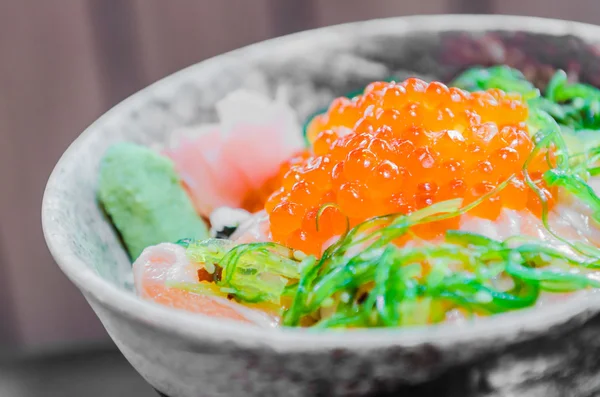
(400,147)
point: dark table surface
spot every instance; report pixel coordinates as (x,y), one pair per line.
(99,371)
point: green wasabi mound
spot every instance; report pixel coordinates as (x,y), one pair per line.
(142,194)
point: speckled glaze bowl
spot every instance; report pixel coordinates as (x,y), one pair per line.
(547,352)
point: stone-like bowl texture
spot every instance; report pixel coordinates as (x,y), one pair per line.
(548,352)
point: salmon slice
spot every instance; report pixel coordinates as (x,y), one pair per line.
(225,163)
(164,264)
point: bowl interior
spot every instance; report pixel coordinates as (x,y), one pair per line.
(311,69)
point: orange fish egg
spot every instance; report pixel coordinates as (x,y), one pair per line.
(404,146)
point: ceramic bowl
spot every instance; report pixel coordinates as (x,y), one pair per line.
(551,351)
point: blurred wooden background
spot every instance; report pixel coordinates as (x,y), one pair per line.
(65,62)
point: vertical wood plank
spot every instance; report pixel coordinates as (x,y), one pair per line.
(172,37)
(115,39)
(471,7)
(50,92)
(576,10)
(340,11)
(9,327)
(292,16)
(8,331)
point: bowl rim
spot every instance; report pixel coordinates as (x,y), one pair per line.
(199,328)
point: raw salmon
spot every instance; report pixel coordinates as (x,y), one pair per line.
(164,264)
(222,164)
